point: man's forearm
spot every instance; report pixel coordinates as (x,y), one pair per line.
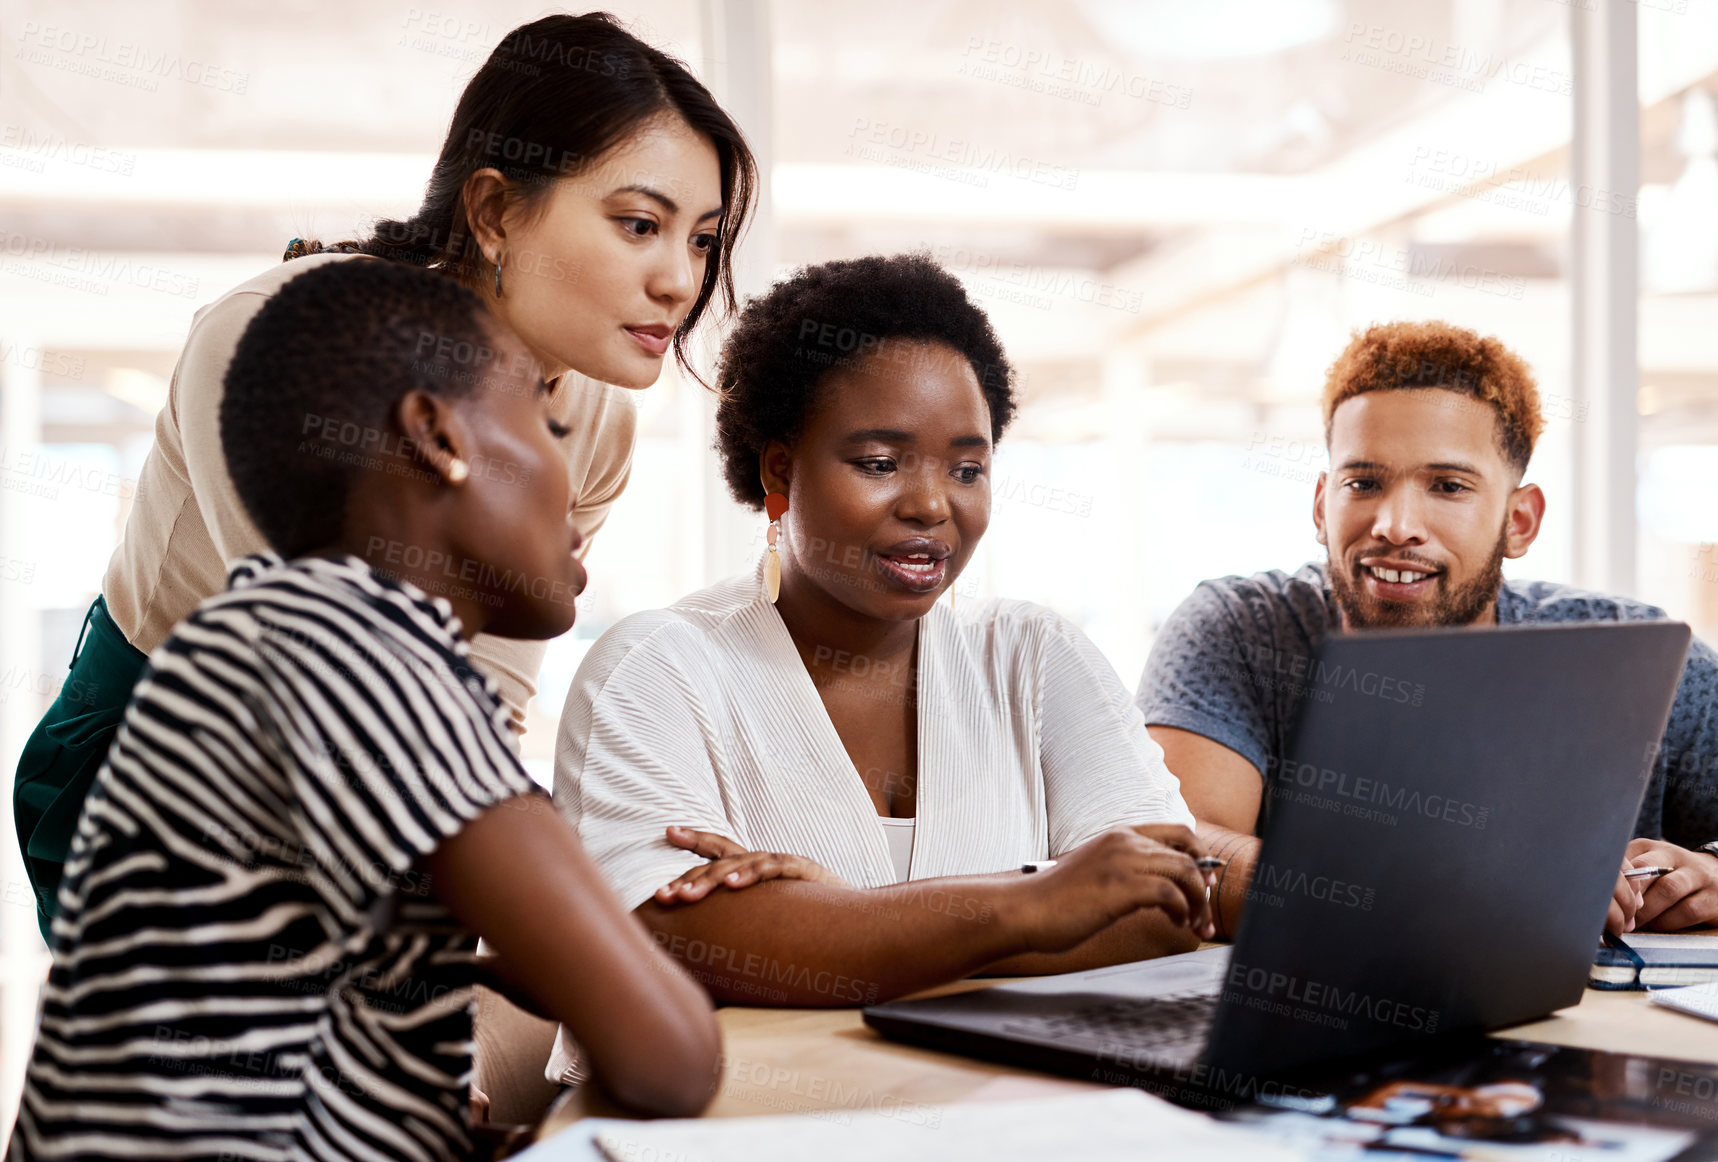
(791,943)
(1240,855)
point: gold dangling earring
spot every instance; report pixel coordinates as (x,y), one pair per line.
(774,504)
(498,276)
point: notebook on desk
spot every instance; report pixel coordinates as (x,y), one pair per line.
(1653,960)
(1472,810)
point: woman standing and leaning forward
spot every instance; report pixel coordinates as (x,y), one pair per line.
(590,191)
(828,706)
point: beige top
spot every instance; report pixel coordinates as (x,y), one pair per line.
(187,522)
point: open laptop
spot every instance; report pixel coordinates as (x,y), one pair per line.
(1439,854)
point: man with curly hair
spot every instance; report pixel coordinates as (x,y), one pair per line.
(1429,429)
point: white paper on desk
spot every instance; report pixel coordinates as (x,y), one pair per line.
(1699,1000)
(1113,1126)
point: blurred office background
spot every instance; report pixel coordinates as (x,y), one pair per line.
(1175,210)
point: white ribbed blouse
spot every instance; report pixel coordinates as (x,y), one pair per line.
(703,714)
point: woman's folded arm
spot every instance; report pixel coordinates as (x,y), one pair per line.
(1127,894)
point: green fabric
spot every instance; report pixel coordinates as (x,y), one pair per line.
(60,761)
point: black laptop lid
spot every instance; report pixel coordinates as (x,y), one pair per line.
(1445,836)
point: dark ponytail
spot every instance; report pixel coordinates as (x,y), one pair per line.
(553,97)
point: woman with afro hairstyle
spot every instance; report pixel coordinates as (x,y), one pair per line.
(870,766)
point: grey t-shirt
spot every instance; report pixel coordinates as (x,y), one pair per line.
(1233,662)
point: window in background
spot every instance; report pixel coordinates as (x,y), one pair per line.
(1678,217)
(1176,214)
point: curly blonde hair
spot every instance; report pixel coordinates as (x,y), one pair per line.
(1407,356)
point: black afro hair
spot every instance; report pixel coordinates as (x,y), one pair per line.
(833,315)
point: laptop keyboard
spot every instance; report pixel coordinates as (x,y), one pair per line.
(1172,1028)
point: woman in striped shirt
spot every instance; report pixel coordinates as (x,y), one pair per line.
(912,752)
(267,933)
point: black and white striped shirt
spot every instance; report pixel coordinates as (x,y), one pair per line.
(248,962)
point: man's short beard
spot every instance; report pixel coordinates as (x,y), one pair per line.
(1460,606)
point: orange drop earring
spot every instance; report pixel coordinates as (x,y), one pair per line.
(775,504)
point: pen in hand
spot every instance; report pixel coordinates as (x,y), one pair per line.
(1647,873)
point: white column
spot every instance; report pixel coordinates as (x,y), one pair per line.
(23,961)
(738,68)
(1605,289)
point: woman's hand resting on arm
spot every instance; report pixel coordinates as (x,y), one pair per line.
(1109,855)
(1130,893)
(733,866)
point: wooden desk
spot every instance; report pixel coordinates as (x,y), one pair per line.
(1624,1022)
(783,1061)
